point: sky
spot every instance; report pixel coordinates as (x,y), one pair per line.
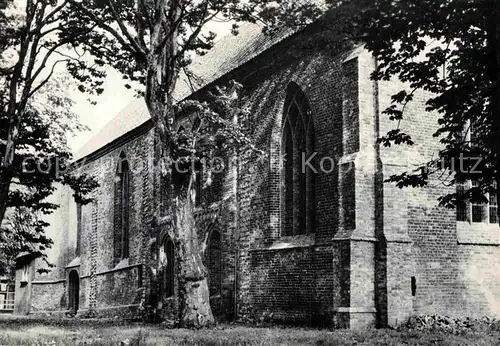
(109,103)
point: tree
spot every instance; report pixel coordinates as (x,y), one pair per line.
(41,161)
(22,233)
(450,49)
(150,42)
(36,118)
(35,129)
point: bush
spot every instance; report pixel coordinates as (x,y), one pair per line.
(463,325)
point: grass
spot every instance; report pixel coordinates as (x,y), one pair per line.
(91,332)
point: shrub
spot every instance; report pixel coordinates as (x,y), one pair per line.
(462,325)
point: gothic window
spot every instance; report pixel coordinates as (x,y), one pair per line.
(168,283)
(78,229)
(74,291)
(122,206)
(298,145)
(199,184)
(213,263)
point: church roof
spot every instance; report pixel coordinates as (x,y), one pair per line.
(228,53)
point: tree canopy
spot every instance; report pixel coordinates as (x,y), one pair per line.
(36,118)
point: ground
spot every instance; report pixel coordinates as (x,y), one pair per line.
(91,332)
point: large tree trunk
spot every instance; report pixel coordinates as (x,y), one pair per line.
(162,74)
(196,311)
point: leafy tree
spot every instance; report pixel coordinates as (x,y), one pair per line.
(40,162)
(150,42)
(450,49)
(35,116)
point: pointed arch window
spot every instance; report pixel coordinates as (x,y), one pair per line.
(213,263)
(122,206)
(298,145)
(78,229)
(168,275)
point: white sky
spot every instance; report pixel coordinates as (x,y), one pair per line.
(109,103)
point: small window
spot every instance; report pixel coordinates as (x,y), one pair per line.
(462,205)
(493,207)
(78,229)
(413,286)
(475,212)
(122,210)
(25,274)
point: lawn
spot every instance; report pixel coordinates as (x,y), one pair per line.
(88,332)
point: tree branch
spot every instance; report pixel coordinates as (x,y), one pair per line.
(52,13)
(125,31)
(42,83)
(131,48)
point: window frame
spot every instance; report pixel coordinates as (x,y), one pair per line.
(122,209)
(469,208)
(298,189)
(78,245)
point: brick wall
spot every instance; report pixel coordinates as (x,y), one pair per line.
(453,263)
(293,279)
(103,283)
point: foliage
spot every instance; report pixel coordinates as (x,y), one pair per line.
(449,49)
(151,42)
(22,233)
(41,161)
(36,118)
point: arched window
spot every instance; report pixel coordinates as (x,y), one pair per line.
(298,145)
(168,278)
(122,197)
(78,229)
(213,263)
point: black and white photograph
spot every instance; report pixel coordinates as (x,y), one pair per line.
(249,172)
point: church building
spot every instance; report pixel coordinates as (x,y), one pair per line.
(316,239)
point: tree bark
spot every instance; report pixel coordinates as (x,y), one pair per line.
(162,74)
(6,168)
(196,311)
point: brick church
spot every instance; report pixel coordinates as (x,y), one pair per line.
(333,245)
